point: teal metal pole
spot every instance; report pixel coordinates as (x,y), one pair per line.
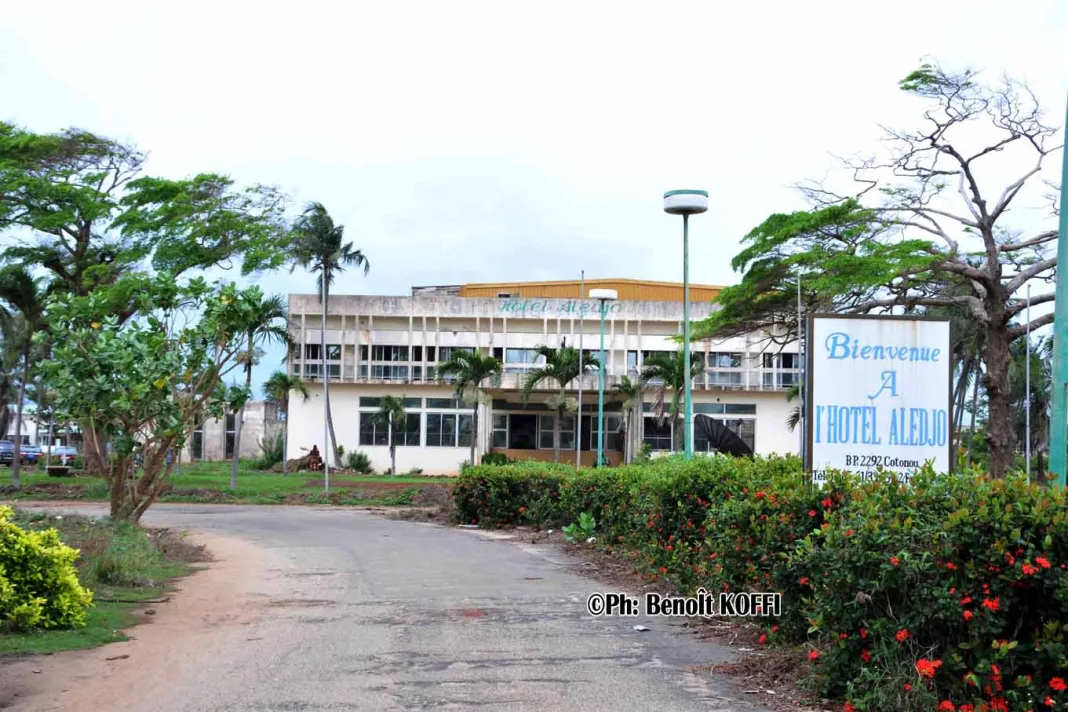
(1058,432)
(600,396)
(686,330)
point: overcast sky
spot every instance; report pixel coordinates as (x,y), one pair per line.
(482,141)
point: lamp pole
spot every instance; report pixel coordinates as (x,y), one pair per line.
(686,203)
(582,371)
(603,296)
(1058,430)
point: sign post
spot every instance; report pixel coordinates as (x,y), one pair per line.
(879,395)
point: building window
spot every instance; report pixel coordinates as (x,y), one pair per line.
(611,433)
(312,370)
(417,354)
(632,363)
(498,353)
(312,353)
(446,352)
(441,430)
(724,378)
(333,352)
(364,353)
(372,431)
(411,434)
(412,403)
(431,354)
(443,403)
(466,431)
(721,359)
(744,428)
(380,372)
(522,356)
(389,353)
(506,295)
(196,447)
(545,432)
(231,424)
(500,431)
(657,435)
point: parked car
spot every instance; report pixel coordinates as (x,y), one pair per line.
(30,453)
(7,452)
(62,454)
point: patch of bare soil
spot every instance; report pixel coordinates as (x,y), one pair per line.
(47,490)
(200,494)
(128,675)
(432,503)
(363,485)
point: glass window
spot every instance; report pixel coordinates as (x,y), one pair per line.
(498,353)
(196,448)
(231,424)
(741,409)
(372,432)
(612,439)
(466,431)
(334,370)
(441,429)
(409,433)
(417,373)
(657,435)
(389,353)
(722,359)
(431,354)
(333,352)
(545,432)
(724,378)
(363,371)
(443,403)
(417,353)
(709,408)
(311,351)
(744,428)
(381,372)
(522,356)
(370,402)
(500,432)
(412,403)
(312,370)
(446,352)
(364,353)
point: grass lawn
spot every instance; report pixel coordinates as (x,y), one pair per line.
(210,482)
(118,564)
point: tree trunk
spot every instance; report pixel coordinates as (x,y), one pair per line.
(474,429)
(975,406)
(16,456)
(999,402)
(241,421)
(326,378)
(285,445)
(392,448)
(94,452)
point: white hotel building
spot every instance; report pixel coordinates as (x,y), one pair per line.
(378,345)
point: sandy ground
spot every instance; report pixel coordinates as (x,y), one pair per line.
(127,675)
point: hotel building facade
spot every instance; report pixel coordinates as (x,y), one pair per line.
(383,345)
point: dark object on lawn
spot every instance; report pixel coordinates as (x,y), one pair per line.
(721,438)
(58,471)
(315,461)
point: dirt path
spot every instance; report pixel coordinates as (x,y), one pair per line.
(126,675)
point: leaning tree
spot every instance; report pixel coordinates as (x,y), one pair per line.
(935,209)
(80,207)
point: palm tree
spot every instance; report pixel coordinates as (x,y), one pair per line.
(562,366)
(667,372)
(792,394)
(25,300)
(630,392)
(468,370)
(319,246)
(276,389)
(267,322)
(391,414)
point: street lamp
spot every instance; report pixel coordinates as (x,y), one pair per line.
(686,203)
(603,296)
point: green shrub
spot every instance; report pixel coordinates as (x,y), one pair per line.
(273,451)
(126,558)
(360,462)
(38,584)
(496,458)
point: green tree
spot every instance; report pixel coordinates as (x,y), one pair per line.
(23,297)
(925,214)
(793,393)
(629,390)
(79,207)
(277,389)
(267,323)
(668,375)
(320,247)
(145,384)
(1039,398)
(560,366)
(391,414)
(467,371)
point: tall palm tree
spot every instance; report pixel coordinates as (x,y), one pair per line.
(267,322)
(667,373)
(562,366)
(23,297)
(629,390)
(468,370)
(319,246)
(391,414)
(792,394)
(276,389)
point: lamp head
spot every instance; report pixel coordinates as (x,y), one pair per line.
(685,202)
(605,295)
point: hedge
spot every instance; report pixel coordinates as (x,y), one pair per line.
(38,583)
(948,593)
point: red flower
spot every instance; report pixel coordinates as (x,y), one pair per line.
(662,569)
(775,629)
(998,704)
(843,636)
(863,632)
(763,638)
(908,686)
(894,560)
(1048,702)
(814,655)
(952,567)
(966,600)
(1029,570)
(812,512)
(992,604)
(902,635)
(804,580)
(849,532)
(670,547)
(760,495)
(1058,684)
(1042,561)
(865,655)
(966,708)
(928,668)
(946,706)
(849,707)
(827,503)
(522,509)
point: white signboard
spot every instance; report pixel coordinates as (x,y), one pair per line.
(879,395)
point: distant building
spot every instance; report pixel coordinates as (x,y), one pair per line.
(214,439)
(379,345)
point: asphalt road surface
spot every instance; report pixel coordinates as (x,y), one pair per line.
(360,612)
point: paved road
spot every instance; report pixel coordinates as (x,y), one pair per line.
(367,613)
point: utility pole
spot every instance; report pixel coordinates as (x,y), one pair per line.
(1058,430)
(582,371)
